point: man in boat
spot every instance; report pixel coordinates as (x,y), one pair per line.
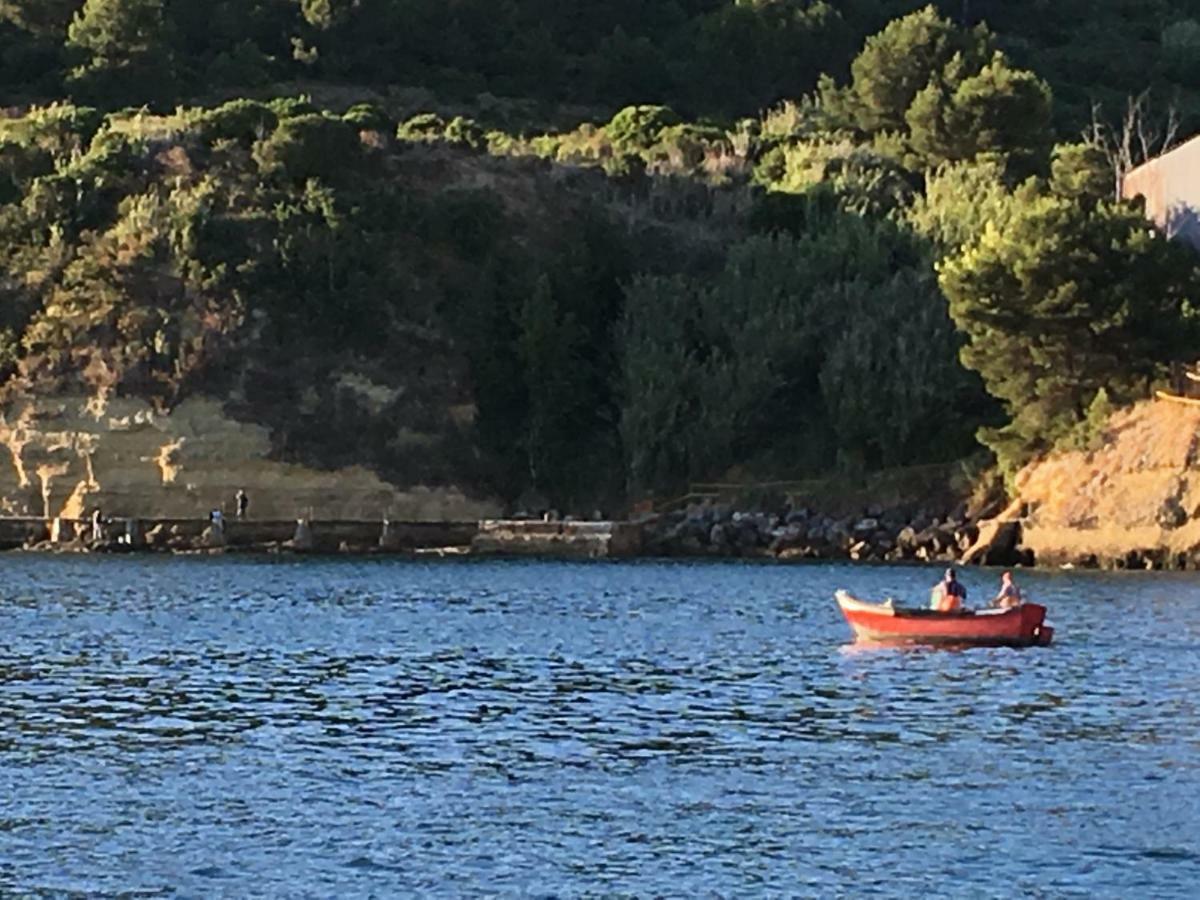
(948,595)
(1010,594)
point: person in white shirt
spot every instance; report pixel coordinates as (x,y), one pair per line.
(1010,594)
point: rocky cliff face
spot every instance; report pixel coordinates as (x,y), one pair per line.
(1135,501)
(63,456)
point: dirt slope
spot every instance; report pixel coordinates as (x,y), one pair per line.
(1135,501)
(63,456)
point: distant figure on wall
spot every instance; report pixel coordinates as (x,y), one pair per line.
(243,503)
(97,524)
(216,522)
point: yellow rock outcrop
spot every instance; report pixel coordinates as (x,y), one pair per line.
(62,456)
(1139,493)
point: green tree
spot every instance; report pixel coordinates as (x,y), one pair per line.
(1181,49)
(638,128)
(310,146)
(891,381)
(1082,172)
(45,18)
(962,198)
(999,110)
(125,50)
(898,62)
(325,14)
(552,353)
(686,398)
(627,69)
(831,339)
(1067,299)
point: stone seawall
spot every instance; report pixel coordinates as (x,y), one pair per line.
(491,537)
(587,540)
(184,534)
(797,536)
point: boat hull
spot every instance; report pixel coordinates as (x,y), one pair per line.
(877,623)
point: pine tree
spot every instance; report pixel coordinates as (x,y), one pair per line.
(1069,298)
(125,50)
(41,17)
(899,62)
(999,110)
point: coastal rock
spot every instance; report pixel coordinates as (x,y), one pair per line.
(998,539)
(717,535)
(797,516)
(1171,514)
(747,537)
(799,532)
(1120,502)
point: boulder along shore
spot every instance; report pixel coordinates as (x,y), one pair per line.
(875,535)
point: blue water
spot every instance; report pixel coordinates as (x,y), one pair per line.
(240,727)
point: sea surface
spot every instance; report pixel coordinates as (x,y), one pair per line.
(243,727)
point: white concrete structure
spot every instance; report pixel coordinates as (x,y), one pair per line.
(1171,186)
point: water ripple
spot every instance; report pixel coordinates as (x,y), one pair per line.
(333,728)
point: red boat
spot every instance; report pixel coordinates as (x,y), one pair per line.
(883,623)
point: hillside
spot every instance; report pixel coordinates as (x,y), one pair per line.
(532,259)
(69,454)
(706,58)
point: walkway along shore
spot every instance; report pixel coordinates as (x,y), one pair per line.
(703,530)
(700,531)
(128,534)
(520,537)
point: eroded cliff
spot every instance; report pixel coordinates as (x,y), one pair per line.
(69,454)
(1135,500)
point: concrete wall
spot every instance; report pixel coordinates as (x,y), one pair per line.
(1171,187)
(588,540)
(179,533)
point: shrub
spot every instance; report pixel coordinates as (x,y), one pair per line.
(422,127)
(638,128)
(465,133)
(311,146)
(367,117)
(289,107)
(243,121)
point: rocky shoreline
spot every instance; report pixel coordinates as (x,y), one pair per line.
(906,534)
(876,535)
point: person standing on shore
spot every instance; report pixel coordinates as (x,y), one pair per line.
(243,503)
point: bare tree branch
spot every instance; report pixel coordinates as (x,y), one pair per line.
(1139,138)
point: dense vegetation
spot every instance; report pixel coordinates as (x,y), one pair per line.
(703,57)
(594,249)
